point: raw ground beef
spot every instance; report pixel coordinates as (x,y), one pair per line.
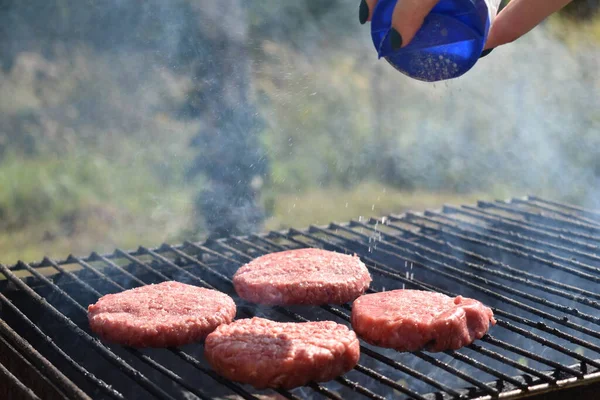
(303,276)
(411,320)
(163,315)
(286,355)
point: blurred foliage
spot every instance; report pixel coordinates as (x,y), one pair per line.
(582,9)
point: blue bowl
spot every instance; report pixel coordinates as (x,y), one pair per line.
(448,44)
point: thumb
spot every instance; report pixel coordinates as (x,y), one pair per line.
(407,20)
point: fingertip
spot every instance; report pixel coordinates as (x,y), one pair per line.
(363,12)
(396,40)
(485,52)
(409,16)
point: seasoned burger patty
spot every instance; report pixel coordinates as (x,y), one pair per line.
(265,353)
(410,320)
(163,315)
(303,276)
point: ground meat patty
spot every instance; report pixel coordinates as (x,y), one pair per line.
(303,276)
(265,353)
(163,315)
(410,320)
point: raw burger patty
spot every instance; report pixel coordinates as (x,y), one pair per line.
(265,353)
(411,320)
(303,276)
(164,315)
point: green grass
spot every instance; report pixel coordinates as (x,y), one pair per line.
(575,33)
(321,206)
(53,206)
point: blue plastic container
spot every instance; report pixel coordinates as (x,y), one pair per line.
(448,44)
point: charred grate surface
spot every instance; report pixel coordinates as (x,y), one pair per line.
(536,262)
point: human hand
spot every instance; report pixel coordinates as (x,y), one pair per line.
(514,21)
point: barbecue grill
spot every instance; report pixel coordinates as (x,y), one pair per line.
(535,262)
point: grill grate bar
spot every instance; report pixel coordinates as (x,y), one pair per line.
(563,214)
(540,216)
(167,372)
(230,385)
(529,222)
(389,382)
(152,253)
(37,360)
(507,346)
(324,391)
(523,254)
(464,234)
(78,280)
(485,368)
(409,371)
(477,267)
(440,364)
(590,213)
(544,327)
(97,257)
(100,349)
(513,363)
(425,286)
(51,373)
(523,306)
(465,227)
(108,390)
(192,361)
(25,392)
(549,343)
(133,260)
(105,388)
(358,388)
(509,223)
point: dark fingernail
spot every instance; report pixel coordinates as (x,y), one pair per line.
(363,12)
(395,39)
(485,53)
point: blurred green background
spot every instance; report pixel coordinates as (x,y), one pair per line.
(116,117)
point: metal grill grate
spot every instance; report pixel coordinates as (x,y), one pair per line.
(535,262)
